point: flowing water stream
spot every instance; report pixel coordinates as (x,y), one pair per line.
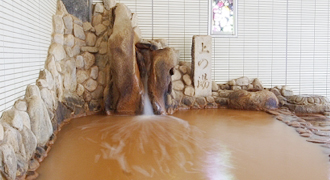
(215,144)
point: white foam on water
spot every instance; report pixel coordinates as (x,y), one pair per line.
(147,110)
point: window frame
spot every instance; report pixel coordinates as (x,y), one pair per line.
(222,34)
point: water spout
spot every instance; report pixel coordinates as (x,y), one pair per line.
(147,110)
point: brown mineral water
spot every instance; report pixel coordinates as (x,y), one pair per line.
(191,145)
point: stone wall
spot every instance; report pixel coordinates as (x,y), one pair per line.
(70,85)
(74,78)
(241,93)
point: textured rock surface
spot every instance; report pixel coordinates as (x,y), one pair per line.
(259,100)
(308,104)
(57,51)
(159,80)
(108,4)
(70,80)
(242,81)
(9,161)
(89,60)
(13,118)
(58,24)
(29,142)
(126,89)
(90,39)
(40,123)
(79,32)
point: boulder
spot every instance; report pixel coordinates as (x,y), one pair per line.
(74,102)
(61,113)
(77,20)
(79,42)
(61,10)
(29,142)
(14,138)
(71,52)
(90,39)
(25,119)
(80,62)
(260,100)
(89,49)
(178,85)
(94,72)
(50,65)
(80,90)
(101,61)
(99,8)
(308,103)
(134,20)
(210,99)
(46,75)
(286,91)
(221,101)
(57,51)
(176,75)
(9,161)
(215,86)
(13,118)
(70,78)
(186,79)
(257,84)
(58,38)
(224,87)
(242,81)
(79,32)
(101,78)
(87,26)
(103,48)
(108,4)
(2,134)
(40,122)
(68,24)
(125,93)
(48,98)
(82,76)
(159,81)
(189,91)
(97,19)
(20,105)
(201,102)
(90,85)
(69,40)
(100,29)
(58,24)
(188,100)
(106,23)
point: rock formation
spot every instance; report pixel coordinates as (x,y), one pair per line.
(125,89)
(259,100)
(156,65)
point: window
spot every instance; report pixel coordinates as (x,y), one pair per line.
(222,18)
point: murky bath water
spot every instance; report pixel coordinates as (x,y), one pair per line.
(208,144)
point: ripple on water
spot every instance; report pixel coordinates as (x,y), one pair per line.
(153,146)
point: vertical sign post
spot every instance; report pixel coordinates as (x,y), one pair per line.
(201,65)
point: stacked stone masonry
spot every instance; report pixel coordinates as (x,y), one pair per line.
(73,82)
(70,85)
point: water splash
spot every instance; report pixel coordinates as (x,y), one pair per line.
(153,146)
(147,104)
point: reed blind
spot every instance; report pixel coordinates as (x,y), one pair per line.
(25,36)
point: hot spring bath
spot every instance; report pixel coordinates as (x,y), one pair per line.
(215,144)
